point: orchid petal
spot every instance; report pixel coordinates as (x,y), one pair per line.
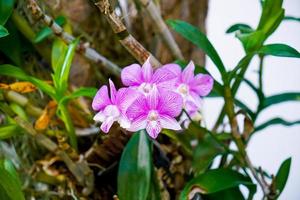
(113,91)
(101,99)
(162,75)
(169,123)
(106,125)
(99,117)
(138,107)
(138,124)
(153,98)
(202,84)
(147,71)
(153,128)
(132,75)
(125,97)
(124,122)
(188,73)
(170,103)
(173,68)
(195,98)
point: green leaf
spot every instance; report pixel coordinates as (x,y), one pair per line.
(282,50)
(244,107)
(271,17)
(10,45)
(3,31)
(154,191)
(135,167)
(282,175)
(9,130)
(217,180)
(275,121)
(18,110)
(280,98)
(292,18)
(195,36)
(12,71)
(63,71)
(81,92)
(6,8)
(243,28)
(46,31)
(10,183)
(230,194)
(205,152)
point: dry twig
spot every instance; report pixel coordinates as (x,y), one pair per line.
(135,48)
(162,28)
(88,52)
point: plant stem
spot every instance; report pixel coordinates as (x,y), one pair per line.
(162,28)
(136,49)
(65,116)
(229,108)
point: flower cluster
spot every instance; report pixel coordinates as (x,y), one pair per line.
(151,99)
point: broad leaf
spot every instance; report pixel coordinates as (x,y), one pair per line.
(275,121)
(280,98)
(10,45)
(63,71)
(6,8)
(292,18)
(243,28)
(271,17)
(3,31)
(204,154)
(9,130)
(81,92)
(282,50)
(282,175)
(10,183)
(195,36)
(217,180)
(12,71)
(134,175)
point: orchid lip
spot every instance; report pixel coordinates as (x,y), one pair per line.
(183,89)
(153,115)
(146,87)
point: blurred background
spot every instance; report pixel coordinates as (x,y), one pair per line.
(274,144)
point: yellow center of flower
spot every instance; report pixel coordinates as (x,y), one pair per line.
(146,87)
(153,115)
(183,89)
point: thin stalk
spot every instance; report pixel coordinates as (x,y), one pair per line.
(65,116)
(229,107)
(162,28)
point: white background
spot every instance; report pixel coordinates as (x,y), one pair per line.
(273,145)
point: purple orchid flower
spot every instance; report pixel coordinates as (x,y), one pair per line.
(191,87)
(113,108)
(155,111)
(144,78)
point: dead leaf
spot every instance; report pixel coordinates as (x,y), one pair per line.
(21,87)
(43,121)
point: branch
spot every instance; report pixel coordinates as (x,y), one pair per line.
(229,108)
(162,28)
(126,39)
(80,169)
(88,52)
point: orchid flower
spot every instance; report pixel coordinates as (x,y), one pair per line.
(191,87)
(112,108)
(155,111)
(144,78)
